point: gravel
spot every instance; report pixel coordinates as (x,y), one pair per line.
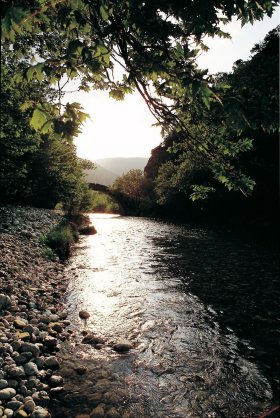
(32,319)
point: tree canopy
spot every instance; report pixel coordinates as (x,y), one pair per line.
(247,122)
(123,46)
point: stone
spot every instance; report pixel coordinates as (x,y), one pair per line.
(5,301)
(62,315)
(52,363)
(20,359)
(123,347)
(29,347)
(40,412)
(21,413)
(84,314)
(92,339)
(56,326)
(31,369)
(9,413)
(20,323)
(97,412)
(24,336)
(53,317)
(55,381)
(41,398)
(29,405)
(3,383)
(7,393)
(56,390)
(13,383)
(16,371)
(28,328)
(50,341)
(40,362)
(14,405)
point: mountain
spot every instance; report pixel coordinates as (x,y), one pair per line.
(108,169)
(122,165)
(100,175)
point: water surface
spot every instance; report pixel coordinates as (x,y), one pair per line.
(200,308)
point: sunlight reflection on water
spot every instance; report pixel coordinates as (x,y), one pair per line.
(131,278)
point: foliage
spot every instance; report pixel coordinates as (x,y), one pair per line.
(88,230)
(36,167)
(131,184)
(60,239)
(18,142)
(255,95)
(155,44)
(252,101)
(99,202)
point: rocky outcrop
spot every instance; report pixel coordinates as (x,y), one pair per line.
(160,155)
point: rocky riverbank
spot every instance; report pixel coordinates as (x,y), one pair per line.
(32,319)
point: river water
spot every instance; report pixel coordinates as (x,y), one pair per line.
(200,308)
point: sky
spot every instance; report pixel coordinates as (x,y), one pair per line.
(124,128)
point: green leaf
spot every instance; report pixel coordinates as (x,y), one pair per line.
(9,23)
(5,27)
(116,94)
(26,105)
(39,72)
(104,13)
(39,118)
(47,127)
(30,73)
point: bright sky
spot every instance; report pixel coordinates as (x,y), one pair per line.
(124,128)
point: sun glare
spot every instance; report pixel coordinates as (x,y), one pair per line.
(116,128)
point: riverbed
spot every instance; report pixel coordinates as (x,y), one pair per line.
(199,308)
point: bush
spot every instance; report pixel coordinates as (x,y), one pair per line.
(60,239)
(88,230)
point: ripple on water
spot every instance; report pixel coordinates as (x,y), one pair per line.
(183,364)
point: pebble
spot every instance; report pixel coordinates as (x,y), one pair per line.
(29,405)
(30,289)
(52,363)
(40,413)
(55,381)
(84,314)
(7,393)
(122,347)
(8,412)
(93,339)
(31,369)
(5,301)
(3,383)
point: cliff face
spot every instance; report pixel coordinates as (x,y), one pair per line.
(159,156)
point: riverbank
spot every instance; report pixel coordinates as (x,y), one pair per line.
(32,318)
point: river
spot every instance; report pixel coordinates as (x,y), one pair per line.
(200,308)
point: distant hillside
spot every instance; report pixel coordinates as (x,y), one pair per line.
(100,175)
(108,169)
(122,165)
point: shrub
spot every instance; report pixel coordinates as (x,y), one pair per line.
(60,239)
(88,230)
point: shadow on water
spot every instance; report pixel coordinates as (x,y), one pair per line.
(200,308)
(238,275)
